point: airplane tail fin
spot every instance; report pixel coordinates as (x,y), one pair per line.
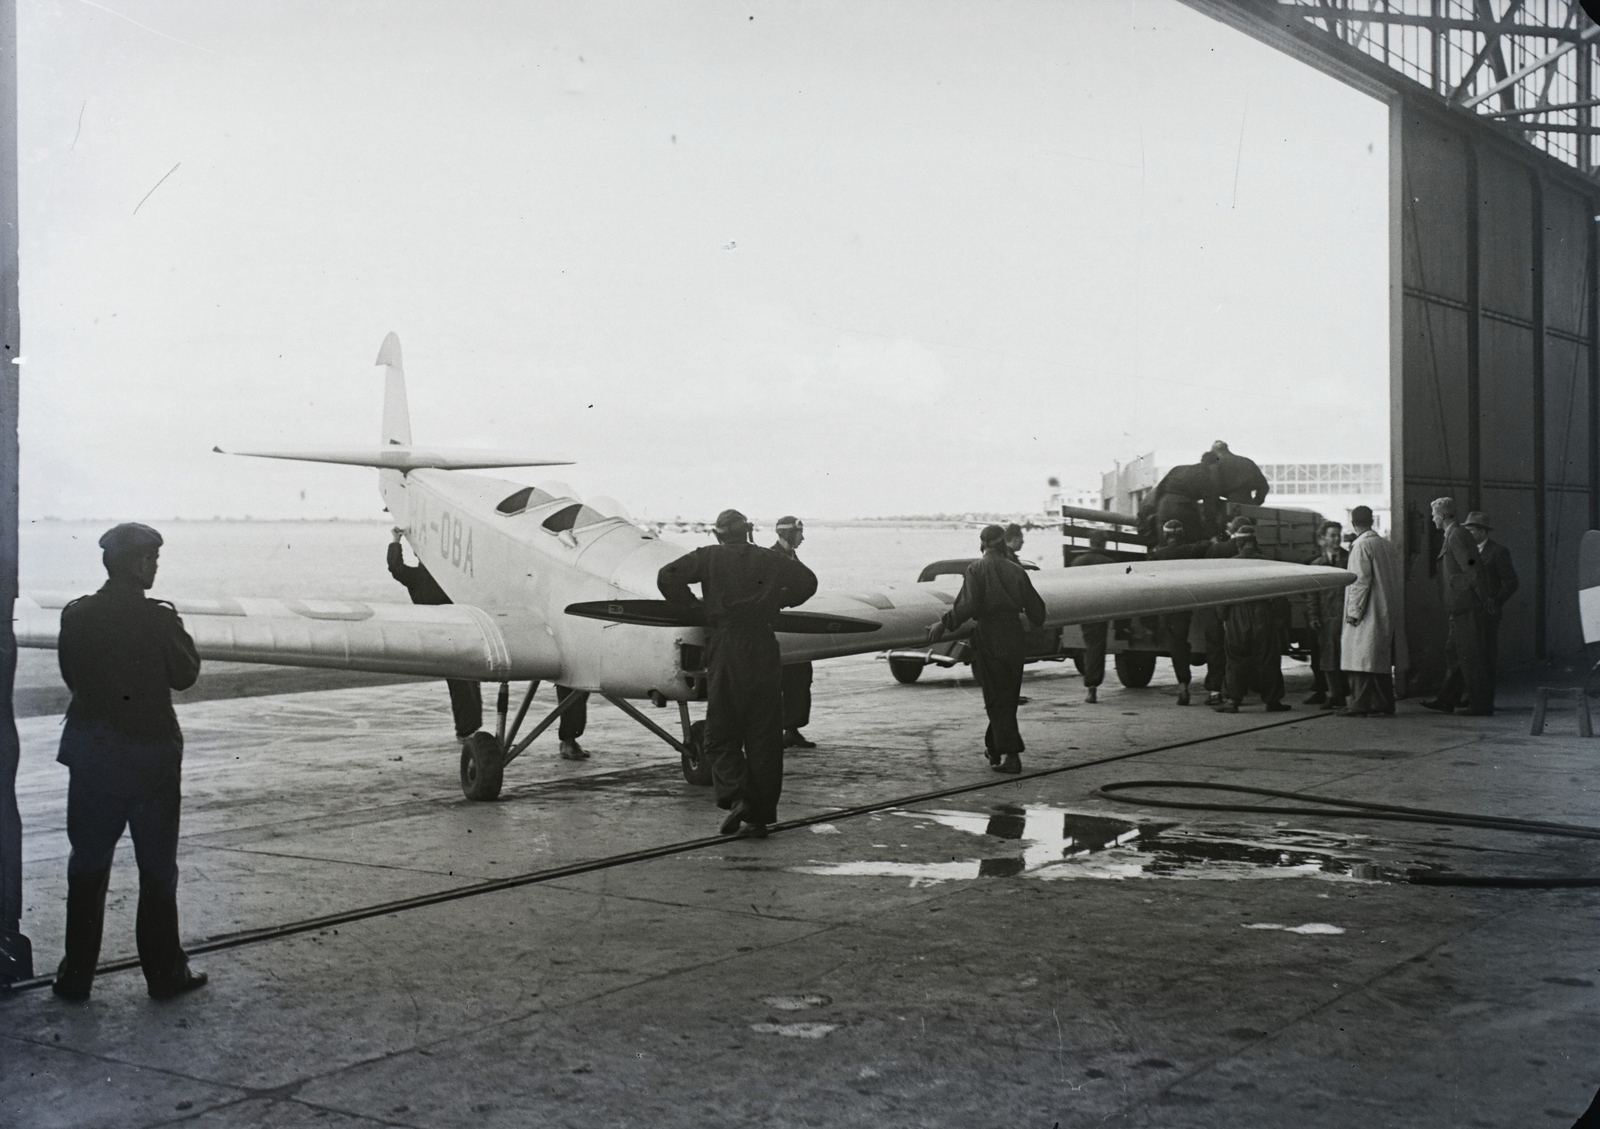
(396,413)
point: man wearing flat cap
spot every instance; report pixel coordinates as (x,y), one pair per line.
(996,592)
(796,676)
(743,587)
(122,655)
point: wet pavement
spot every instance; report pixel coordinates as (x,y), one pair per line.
(1029,953)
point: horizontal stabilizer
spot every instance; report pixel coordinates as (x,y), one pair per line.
(660,613)
(406,458)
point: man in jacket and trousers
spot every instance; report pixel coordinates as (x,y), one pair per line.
(1254,631)
(1372,644)
(1325,614)
(1500,584)
(743,588)
(796,676)
(122,655)
(996,592)
(1466,602)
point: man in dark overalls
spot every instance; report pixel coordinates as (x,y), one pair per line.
(796,676)
(1094,634)
(466,695)
(122,655)
(1255,632)
(743,588)
(1175,625)
(995,592)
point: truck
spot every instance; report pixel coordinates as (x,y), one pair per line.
(1132,645)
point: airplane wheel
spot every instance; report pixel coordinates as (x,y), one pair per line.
(906,670)
(1135,668)
(1077,661)
(482,767)
(696,768)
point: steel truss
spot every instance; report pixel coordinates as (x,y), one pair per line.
(1529,66)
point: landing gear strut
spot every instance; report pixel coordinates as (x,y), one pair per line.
(484,756)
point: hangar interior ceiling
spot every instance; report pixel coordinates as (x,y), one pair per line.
(1494,362)
(1528,65)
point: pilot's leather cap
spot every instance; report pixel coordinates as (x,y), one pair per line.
(731,521)
(991,535)
(129,537)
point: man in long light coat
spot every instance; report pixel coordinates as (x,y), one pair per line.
(1373,642)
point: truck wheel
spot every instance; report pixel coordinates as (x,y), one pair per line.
(696,768)
(906,670)
(1134,668)
(482,767)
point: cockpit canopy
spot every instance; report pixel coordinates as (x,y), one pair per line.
(575,516)
(523,499)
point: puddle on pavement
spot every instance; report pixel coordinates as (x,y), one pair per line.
(1061,844)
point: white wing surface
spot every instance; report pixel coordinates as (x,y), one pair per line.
(407,458)
(448,641)
(1071,595)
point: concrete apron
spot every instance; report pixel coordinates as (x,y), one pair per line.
(993,958)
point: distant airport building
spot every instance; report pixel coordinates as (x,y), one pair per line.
(1331,489)
(1126,487)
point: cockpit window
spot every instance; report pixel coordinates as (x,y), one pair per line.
(522,499)
(575,516)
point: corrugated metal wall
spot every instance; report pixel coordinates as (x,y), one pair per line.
(1497,375)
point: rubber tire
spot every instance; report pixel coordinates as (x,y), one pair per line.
(906,670)
(696,768)
(1135,668)
(482,767)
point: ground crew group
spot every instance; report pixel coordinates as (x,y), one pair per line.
(122,654)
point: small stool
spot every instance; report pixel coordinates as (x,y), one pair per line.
(1576,693)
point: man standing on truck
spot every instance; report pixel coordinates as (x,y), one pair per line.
(996,592)
(1094,634)
(1175,625)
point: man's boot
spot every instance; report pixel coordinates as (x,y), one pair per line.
(161,955)
(1093,696)
(1317,699)
(794,739)
(1011,765)
(1183,693)
(572,751)
(86,917)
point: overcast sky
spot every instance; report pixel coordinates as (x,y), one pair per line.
(842,259)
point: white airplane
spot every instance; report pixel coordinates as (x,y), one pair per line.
(549,589)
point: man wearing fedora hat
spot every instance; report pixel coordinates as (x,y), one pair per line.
(1500,580)
(1466,600)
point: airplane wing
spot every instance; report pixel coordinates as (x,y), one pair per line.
(406,457)
(446,641)
(1071,595)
